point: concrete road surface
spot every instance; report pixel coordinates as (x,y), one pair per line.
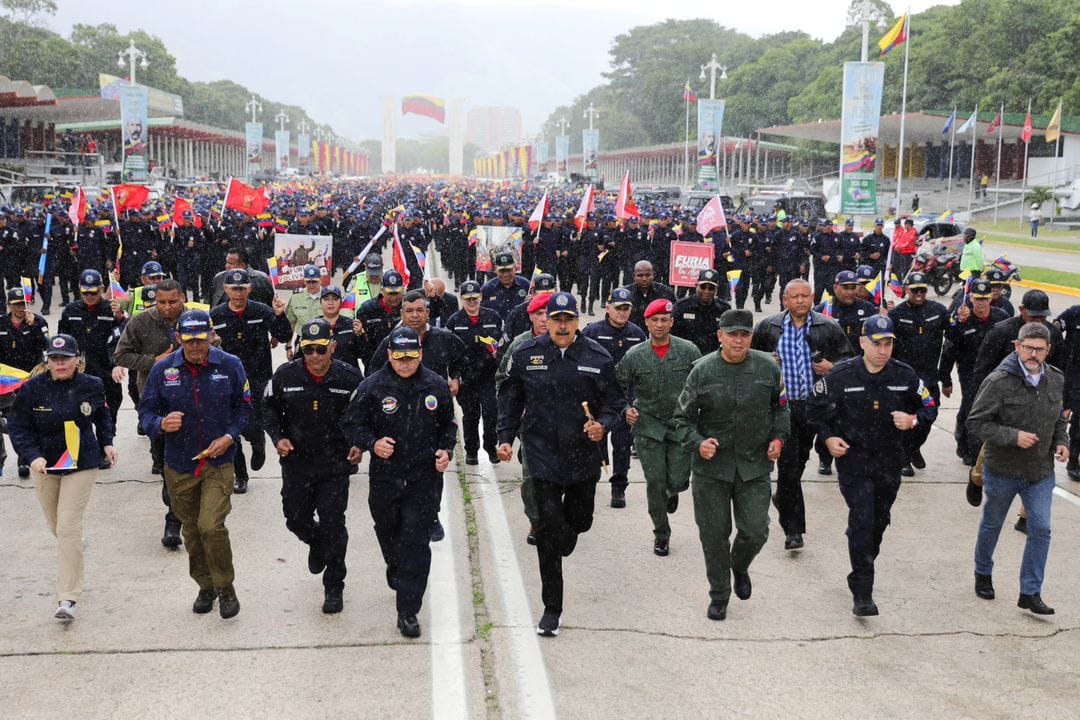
(635,641)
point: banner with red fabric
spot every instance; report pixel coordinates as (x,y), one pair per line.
(688,259)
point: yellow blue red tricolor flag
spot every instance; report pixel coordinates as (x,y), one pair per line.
(894,37)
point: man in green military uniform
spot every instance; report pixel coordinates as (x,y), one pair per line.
(306,305)
(733,415)
(652,374)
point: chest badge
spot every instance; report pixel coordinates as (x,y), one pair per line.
(431,402)
(389,405)
(85,409)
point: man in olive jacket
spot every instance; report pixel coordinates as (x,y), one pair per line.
(733,417)
(1019,417)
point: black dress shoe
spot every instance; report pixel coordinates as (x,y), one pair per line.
(316,561)
(864,607)
(907,471)
(258,456)
(974,494)
(436,532)
(717,610)
(24,471)
(1021,525)
(824,468)
(105,465)
(204,601)
(156,469)
(918,461)
(673,504)
(239,485)
(742,585)
(984,586)
(171,537)
(793,541)
(1035,604)
(531,537)
(139,431)
(493,457)
(472,460)
(409,626)
(1072,469)
(228,605)
(661,548)
(618,496)
(332,602)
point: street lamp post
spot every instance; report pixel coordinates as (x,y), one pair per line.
(712,66)
(591,113)
(134,55)
(863,14)
(283,120)
(302,127)
(562,132)
(253,106)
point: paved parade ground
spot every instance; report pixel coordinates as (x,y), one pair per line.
(635,642)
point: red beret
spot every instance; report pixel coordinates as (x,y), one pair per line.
(659,306)
(540,301)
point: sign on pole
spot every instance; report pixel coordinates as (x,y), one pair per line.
(859,125)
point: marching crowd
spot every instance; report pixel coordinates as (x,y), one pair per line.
(178,300)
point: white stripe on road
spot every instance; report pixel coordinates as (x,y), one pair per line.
(1067,496)
(534,700)
(448,685)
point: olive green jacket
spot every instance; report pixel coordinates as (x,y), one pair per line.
(743,406)
(654,385)
(504,365)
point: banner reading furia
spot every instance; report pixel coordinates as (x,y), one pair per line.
(859,137)
(135,128)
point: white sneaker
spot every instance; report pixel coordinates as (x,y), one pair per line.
(66,611)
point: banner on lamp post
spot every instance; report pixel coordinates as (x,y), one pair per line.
(859,124)
(590,148)
(562,152)
(303,153)
(281,150)
(710,121)
(135,128)
(253,137)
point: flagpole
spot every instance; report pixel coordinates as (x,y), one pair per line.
(119,240)
(903,111)
(997,181)
(686,142)
(971,173)
(952,145)
(1057,151)
(1023,183)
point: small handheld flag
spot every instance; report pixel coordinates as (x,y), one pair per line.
(733,278)
(70,459)
(349,302)
(271,263)
(117,290)
(827,309)
(27,289)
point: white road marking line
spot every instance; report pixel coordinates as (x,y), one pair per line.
(1067,496)
(448,683)
(534,701)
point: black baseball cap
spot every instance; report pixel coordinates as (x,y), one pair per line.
(315,332)
(1036,303)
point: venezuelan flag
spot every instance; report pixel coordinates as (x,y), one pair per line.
(271,263)
(782,399)
(421,258)
(27,289)
(874,288)
(896,286)
(11,379)
(70,459)
(118,291)
(894,37)
(827,309)
(947,216)
(426,105)
(281,225)
(247,392)
(349,303)
(733,278)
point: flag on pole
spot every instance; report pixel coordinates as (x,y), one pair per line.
(581,217)
(421,257)
(688,94)
(11,379)
(398,258)
(77,210)
(894,37)
(538,213)
(624,204)
(27,289)
(117,290)
(827,307)
(994,124)
(130,197)
(182,207)
(1053,128)
(248,200)
(895,285)
(874,288)
(271,263)
(711,217)
(969,124)
(733,278)
(949,123)
(349,302)
(1025,134)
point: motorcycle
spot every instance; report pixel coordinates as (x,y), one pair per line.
(1012,273)
(940,263)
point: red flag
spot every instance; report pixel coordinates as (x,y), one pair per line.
(994,124)
(398,258)
(586,207)
(1025,134)
(130,196)
(538,214)
(181,206)
(77,211)
(624,204)
(246,199)
(711,217)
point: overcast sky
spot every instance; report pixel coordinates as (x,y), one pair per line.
(336,58)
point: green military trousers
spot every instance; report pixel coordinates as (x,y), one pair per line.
(666,465)
(714,502)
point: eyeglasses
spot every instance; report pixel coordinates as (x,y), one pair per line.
(316,349)
(1032,350)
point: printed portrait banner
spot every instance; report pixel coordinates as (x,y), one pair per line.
(688,259)
(590,148)
(135,130)
(562,152)
(491,239)
(710,122)
(253,136)
(293,252)
(542,157)
(859,123)
(281,150)
(303,153)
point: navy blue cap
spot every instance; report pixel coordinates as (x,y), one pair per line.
(331,290)
(620,296)
(194,325)
(152,267)
(311,273)
(865,273)
(315,332)
(846,277)
(980,288)
(995,275)
(393,282)
(15,295)
(562,303)
(878,328)
(505,261)
(708,276)
(237,278)
(373,263)
(63,345)
(916,280)
(90,280)
(404,341)
(149,294)
(544,282)
(849,221)
(469,289)
(879,221)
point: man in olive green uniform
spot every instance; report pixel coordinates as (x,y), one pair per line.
(306,305)
(732,414)
(653,374)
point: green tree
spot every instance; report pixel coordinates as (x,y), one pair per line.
(28,12)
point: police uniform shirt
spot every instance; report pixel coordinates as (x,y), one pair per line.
(920,332)
(502,299)
(857,405)
(23,346)
(309,412)
(962,343)
(349,344)
(850,318)
(874,242)
(247,335)
(42,408)
(698,323)
(516,322)
(444,353)
(615,340)
(847,247)
(480,338)
(95,331)
(378,319)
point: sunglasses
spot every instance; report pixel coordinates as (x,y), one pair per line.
(316,349)
(405,355)
(90,292)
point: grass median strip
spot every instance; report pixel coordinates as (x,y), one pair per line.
(1051,277)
